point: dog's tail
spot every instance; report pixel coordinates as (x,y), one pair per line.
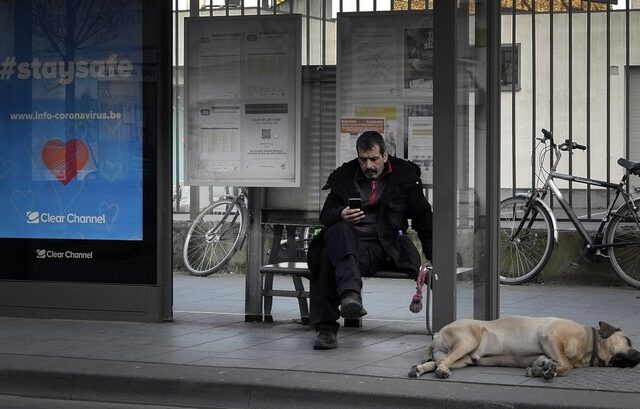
(416,301)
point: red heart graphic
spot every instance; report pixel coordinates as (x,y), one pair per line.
(65,160)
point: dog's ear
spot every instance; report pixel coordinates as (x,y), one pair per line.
(606,330)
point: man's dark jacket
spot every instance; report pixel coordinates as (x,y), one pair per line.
(402,198)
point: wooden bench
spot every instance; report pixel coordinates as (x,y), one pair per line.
(299,270)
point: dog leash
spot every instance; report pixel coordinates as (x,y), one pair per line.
(416,302)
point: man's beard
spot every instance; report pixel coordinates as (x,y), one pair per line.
(371,173)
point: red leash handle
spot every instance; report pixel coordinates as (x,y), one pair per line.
(416,301)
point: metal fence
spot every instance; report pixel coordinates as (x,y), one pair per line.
(576,63)
(567,66)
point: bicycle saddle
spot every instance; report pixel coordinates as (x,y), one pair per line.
(631,166)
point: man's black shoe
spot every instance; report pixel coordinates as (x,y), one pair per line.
(351,306)
(326,339)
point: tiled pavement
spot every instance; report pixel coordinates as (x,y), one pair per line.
(209,342)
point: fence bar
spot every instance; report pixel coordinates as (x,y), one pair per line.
(570,65)
(409,4)
(608,161)
(533,93)
(551,10)
(194,191)
(177,105)
(626,86)
(513,96)
(589,106)
(308,33)
(226,6)
(324,33)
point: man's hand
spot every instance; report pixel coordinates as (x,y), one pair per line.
(353,216)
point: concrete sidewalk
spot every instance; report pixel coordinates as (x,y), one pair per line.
(210,358)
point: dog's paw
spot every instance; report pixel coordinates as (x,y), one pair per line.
(413,372)
(551,370)
(529,372)
(442,373)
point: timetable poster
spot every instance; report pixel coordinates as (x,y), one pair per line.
(385,67)
(243,92)
(71,120)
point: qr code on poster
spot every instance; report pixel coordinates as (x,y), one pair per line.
(266,133)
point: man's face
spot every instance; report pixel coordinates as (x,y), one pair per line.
(372,162)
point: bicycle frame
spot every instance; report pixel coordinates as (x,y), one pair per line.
(234,200)
(526,237)
(572,214)
(618,187)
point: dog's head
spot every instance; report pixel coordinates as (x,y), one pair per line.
(615,348)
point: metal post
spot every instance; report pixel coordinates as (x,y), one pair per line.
(445,193)
(487,165)
(253,281)
(165,231)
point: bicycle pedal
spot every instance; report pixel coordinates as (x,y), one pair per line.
(602,254)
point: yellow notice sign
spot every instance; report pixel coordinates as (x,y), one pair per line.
(387,112)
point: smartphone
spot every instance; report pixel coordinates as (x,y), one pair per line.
(355,203)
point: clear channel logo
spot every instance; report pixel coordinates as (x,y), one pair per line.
(63,254)
(35,217)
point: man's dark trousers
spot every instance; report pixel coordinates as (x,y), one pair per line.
(344,260)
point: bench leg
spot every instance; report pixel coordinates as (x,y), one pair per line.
(302,300)
(267,286)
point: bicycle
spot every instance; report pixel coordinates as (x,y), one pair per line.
(216,234)
(528,228)
(219,232)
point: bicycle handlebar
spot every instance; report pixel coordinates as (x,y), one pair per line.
(547,134)
(568,146)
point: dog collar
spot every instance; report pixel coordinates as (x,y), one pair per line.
(594,353)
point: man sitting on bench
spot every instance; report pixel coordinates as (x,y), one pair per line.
(358,242)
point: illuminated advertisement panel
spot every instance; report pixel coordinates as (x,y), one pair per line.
(73,157)
(71,163)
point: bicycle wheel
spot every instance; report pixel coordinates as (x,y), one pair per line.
(525,254)
(214,237)
(625,260)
